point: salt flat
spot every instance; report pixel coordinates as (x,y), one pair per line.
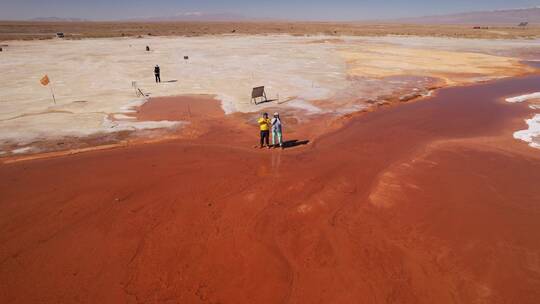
(92,78)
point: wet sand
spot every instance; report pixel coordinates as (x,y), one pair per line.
(425,202)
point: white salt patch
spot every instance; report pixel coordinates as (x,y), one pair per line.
(115,126)
(523,98)
(22,150)
(227,103)
(304,105)
(132,105)
(351,109)
(315,93)
(428,93)
(122,116)
(532,133)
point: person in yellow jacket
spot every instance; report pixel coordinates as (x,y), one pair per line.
(264,126)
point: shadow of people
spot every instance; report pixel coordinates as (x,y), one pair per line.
(294,143)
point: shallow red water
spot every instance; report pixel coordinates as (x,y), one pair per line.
(427,202)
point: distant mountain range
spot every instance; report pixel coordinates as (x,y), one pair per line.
(58,19)
(184,16)
(196,16)
(510,16)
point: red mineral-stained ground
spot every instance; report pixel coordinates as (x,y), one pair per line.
(431,201)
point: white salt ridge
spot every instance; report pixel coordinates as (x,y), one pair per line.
(523,98)
(110,126)
(21,150)
(122,116)
(532,134)
(116,126)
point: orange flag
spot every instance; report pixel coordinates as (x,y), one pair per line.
(45,80)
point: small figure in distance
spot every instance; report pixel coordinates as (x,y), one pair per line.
(157,73)
(264,126)
(277,131)
(147,48)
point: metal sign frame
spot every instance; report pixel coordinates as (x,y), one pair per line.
(258,92)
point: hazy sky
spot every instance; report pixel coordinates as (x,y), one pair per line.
(280,9)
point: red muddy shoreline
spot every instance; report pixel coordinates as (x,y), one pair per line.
(425,202)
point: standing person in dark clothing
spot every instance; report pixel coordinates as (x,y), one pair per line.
(264,126)
(157,73)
